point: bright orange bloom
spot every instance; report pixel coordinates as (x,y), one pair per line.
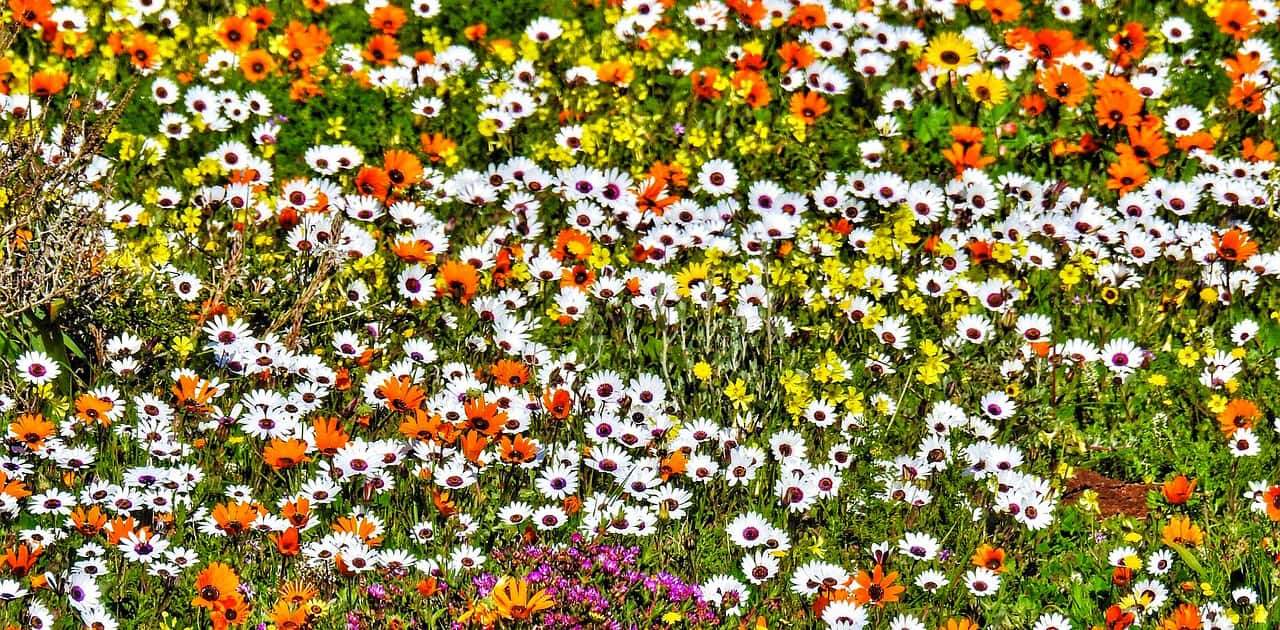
(305,45)
(615,72)
(142,51)
(436,146)
(237,33)
(1235,246)
(1121,106)
(297,592)
(286,542)
(388,18)
(31,429)
(361,527)
(235,517)
(229,611)
(808,106)
(46,83)
(808,16)
(421,426)
(287,616)
(573,245)
(297,512)
(194,394)
(401,395)
(558,403)
(21,558)
(796,55)
(90,409)
(990,557)
(1146,144)
(90,522)
(31,12)
(877,588)
(1048,45)
(373,181)
(457,280)
(512,373)
(330,437)
(1004,10)
(962,158)
(1126,175)
(1118,619)
(1264,151)
(517,450)
(257,64)
(214,583)
(959,624)
(281,454)
(1185,617)
(473,444)
(704,82)
(1129,44)
(1065,84)
(402,167)
(1237,19)
(1178,490)
(483,417)
(1246,96)
(382,50)
(1273,503)
(1239,413)
(1181,531)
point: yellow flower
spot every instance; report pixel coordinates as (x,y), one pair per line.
(702,371)
(949,51)
(987,88)
(335,126)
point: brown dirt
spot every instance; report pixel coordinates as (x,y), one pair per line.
(1114,496)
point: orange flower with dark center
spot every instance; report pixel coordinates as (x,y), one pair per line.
(1004,10)
(457,280)
(876,588)
(484,417)
(1181,531)
(388,18)
(361,527)
(1246,96)
(257,64)
(808,107)
(373,181)
(558,404)
(90,522)
(330,437)
(1048,45)
(21,558)
(580,277)
(235,517)
(436,146)
(382,50)
(704,83)
(142,51)
(401,395)
(808,16)
(1118,619)
(214,583)
(572,244)
(1146,144)
(796,55)
(1128,44)
(1185,617)
(1126,174)
(1238,414)
(91,409)
(1064,83)
(288,616)
(46,83)
(421,426)
(1237,19)
(31,429)
(281,454)
(402,167)
(752,88)
(1235,246)
(1272,501)
(305,45)
(989,557)
(31,12)
(193,394)
(287,542)
(517,450)
(1121,106)
(512,373)
(237,33)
